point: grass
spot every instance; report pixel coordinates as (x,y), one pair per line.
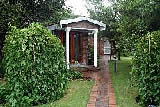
(125,94)
(77,95)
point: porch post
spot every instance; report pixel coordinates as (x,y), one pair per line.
(67,45)
(72,48)
(95,47)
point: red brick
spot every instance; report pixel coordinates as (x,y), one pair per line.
(92,99)
(90,105)
(93,95)
(112,105)
(103,89)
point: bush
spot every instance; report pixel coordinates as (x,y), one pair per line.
(75,75)
(146,68)
(35,66)
(1,70)
(4,91)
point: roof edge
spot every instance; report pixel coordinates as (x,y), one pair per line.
(64,22)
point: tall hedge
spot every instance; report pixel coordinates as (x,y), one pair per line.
(146,69)
(34,65)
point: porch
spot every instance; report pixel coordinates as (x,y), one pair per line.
(74,35)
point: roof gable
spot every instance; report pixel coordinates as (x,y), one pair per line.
(83,24)
(81,20)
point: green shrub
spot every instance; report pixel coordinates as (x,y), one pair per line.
(146,68)
(75,75)
(4,91)
(1,70)
(35,66)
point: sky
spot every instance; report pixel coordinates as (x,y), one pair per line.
(79,6)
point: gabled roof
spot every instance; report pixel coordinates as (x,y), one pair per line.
(79,19)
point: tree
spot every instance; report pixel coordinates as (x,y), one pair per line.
(137,18)
(107,15)
(8,14)
(21,13)
(40,10)
(127,20)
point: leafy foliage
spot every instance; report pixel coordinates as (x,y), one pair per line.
(146,69)
(21,13)
(35,66)
(109,15)
(4,91)
(126,20)
(136,18)
(36,10)
(1,70)
(8,14)
(74,74)
(106,14)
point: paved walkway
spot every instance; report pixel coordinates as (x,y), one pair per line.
(102,94)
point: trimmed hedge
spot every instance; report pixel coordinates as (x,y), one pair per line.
(34,66)
(146,69)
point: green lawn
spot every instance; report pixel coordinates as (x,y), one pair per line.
(125,94)
(77,95)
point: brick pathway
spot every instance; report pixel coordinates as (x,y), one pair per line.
(102,94)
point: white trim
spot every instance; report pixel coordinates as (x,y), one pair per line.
(64,22)
(95,47)
(84,29)
(68,29)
